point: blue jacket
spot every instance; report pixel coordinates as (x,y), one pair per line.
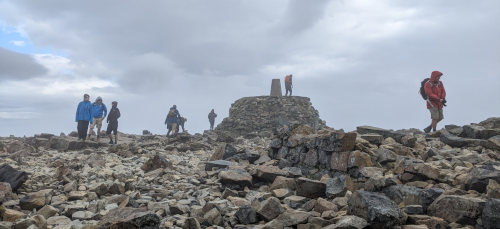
(174,118)
(99,110)
(84,111)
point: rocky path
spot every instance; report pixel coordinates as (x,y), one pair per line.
(299,178)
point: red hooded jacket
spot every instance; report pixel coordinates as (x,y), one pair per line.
(435,90)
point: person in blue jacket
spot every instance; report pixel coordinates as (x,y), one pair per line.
(83,116)
(99,112)
(172,120)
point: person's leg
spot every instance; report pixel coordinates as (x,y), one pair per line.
(91,130)
(79,127)
(116,138)
(99,126)
(290,90)
(108,132)
(85,128)
(174,128)
(440,117)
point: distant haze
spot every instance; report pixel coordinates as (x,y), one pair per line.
(361,61)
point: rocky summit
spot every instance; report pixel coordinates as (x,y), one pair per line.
(261,168)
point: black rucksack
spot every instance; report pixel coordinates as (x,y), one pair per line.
(422,90)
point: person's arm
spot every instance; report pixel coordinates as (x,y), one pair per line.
(77,109)
(105,110)
(91,114)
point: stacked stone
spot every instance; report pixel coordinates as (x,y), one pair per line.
(262,115)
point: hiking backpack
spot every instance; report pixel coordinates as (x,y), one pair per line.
(422,90)
(171,113)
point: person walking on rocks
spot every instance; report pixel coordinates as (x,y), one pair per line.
(172,120)
(288,84)
(211,118)
(436,95)
(112,121)
(83,116)
(99,112)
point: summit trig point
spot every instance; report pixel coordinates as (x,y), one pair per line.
(276,87)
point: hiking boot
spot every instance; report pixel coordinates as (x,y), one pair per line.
(428,129)
(111,142)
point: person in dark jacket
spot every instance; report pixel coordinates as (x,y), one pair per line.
(83,116)
(99,112)
(172,120)
(436,94)
(112,121)
(211,118)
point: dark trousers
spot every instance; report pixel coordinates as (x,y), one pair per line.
(288,88)
(82,127)
(212,124)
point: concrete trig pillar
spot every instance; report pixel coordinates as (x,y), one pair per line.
(276,87)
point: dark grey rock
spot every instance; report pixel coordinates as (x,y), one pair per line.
(246,215)
(12,176)
(218,164)
(478,178)
(375,130)
(491,214)
(310,188)
(336,186)
(457,209)
(376,208)
(130,218)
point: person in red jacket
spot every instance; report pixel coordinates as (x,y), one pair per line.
(436,94)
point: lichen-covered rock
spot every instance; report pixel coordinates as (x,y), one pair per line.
(376,208)
(459,209)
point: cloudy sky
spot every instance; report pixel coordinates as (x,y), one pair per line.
(360,61)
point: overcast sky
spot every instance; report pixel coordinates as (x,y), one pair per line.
(360,61)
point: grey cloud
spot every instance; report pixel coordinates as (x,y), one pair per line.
(17,66)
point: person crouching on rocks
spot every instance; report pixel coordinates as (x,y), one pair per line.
(112,121)
(83,116)
(172,120)
(99,112)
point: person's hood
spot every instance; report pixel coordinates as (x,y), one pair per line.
(435,75)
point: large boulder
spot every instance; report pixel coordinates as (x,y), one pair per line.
(337,186)
(6,193)
(270,208)
(35,200)
(376,208)
(130,218)
(237,177)
(246,215)
(310,188)
(157,162)
(375,130)
(478,178)
(491,214)
(12,176)
(457,209)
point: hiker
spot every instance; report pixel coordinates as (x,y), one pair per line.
(112,121)
(99,112)
(288,84)
(83,116)
(436,95)
(182,120)
(211,118)
(172,120)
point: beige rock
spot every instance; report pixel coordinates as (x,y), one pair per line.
(11,215)
(324,205)
(48,211)
(493,189)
